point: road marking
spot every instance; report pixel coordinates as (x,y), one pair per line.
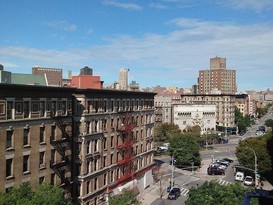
(184,191)
(223,182)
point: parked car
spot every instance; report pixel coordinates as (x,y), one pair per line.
(223,162)
(248,181)
(215,171)
(239,176)
(228,160)
(174,193)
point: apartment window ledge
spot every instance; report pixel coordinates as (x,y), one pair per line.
(26,172)
(10,149)
(10,177)
(42,143)
(27,146)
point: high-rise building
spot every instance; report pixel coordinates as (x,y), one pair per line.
(217,80)
(123,78)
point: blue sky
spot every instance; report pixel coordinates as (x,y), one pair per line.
(163,42)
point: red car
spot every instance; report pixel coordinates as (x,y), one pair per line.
(215,171)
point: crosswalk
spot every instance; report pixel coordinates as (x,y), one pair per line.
(223,182)
(184,191)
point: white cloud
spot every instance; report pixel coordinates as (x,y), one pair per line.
(171,58)
(62,25)
(256,5)
(129,6)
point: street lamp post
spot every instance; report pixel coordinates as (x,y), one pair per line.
(172,184)
(255,166)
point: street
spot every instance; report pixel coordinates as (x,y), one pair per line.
(187,179)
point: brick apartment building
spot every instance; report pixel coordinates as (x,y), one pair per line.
(54,76)
(91,142)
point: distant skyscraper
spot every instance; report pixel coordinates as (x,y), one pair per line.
(123,78)
(217,80)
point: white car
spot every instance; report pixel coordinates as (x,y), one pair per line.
(239,176)
(248,181)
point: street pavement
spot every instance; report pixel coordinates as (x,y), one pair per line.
(184,179)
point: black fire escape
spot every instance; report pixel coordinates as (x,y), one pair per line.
(63,146)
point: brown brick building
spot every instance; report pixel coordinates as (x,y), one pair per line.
(217,80)
(90,142)
(54,76)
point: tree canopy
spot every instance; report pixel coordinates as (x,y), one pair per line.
(211,193)
(45,194)
(269,123)
(242,121)
(165,131)
(127,197)
(185,149)
(246,156)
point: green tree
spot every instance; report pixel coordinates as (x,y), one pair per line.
(127,197)
(269,123)
(211,193)
(246,156)
(44,194)
(17,195)
(165,131)
(241,121)
(185,149)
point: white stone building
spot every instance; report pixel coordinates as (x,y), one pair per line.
(188,115)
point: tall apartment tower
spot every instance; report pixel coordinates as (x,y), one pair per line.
(123,78)
(217,80)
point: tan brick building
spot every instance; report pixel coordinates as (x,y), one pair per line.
(89,142)
(217,80)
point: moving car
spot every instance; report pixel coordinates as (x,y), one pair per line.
(215,171)
(239,176)
(174,193)
(248,181)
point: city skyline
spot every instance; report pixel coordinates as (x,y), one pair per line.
(163,42)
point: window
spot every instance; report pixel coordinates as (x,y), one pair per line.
(53,132)
(35,107)
(42,160)
(54,108)
(26,137)
(9,110)
(52,179)
(95,145)
(87,167)
(19,108)
(26,109)
(2,108)
(9,168)
(104,161)
(87,147)
(112,158)
(63,107)
(53,156)
(9,139)
(25,163)
(105,179)
(95,183)
(87,187)
(41,180)
(104,143)
(42,109)
(112,141)
(42,134)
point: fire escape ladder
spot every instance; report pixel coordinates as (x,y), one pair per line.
(61,146)
(126,148)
